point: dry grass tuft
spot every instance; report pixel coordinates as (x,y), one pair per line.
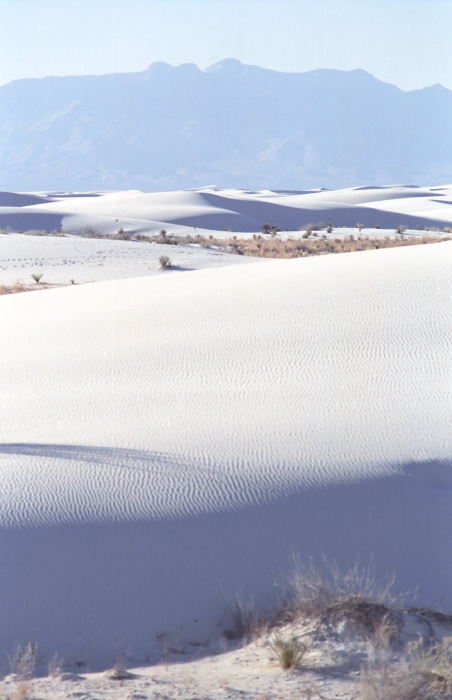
(55,666)
(119,671)
(311,243)
(24,661)
(355,597)
(13,288)
(165,262)
(424,674)
(244,619)
(18,287)
(289,652)
(318,245)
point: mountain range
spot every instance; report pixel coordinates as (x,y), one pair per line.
(232,125)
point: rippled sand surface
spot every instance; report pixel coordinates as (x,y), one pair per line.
(168,441)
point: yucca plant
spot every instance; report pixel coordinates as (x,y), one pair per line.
(288,652)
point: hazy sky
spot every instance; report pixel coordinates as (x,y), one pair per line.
(405,42)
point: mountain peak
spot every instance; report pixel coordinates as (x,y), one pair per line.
(177,127)
(230,64)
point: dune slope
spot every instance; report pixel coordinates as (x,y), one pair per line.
(166,442)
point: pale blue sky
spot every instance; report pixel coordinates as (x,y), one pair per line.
(404,42)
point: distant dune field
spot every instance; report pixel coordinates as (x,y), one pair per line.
(214,209)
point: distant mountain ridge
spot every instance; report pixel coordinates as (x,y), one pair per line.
(234,125)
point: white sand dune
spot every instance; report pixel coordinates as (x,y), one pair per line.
(168,441)
(215,209)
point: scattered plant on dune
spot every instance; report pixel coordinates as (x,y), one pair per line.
(37,276)
(121,235)
(289,652)
(89,232)
(55,666)
(165,262)
(355,597)
(119,671)
(307,246)
(24,661)
(425,673)
(244,620)
(16,288)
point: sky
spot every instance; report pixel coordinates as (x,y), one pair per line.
(403,42)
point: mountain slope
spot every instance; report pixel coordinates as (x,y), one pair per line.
(232,124)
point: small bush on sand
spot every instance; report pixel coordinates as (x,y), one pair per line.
(355,597)
(37,277)
(165,262)
(55,666)
(24,661)
(89,232)
(289,652)
(424,674)
(243,617)
(119,671)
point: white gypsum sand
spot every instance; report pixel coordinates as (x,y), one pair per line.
(169,441)
(61,259)
(212,208)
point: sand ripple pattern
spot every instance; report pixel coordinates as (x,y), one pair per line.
(169,396)
(58,484)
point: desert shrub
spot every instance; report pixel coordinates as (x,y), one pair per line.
(289,652)
(119,671)
(121,235)
(24,661)
(37,277)
(356,597)
(55,666)
(165,262)
(243,618)
(89,232)
(424,674)
(310,228)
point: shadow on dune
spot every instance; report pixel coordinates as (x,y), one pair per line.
(107,456)
(31,220)
(434,472)
(157,542)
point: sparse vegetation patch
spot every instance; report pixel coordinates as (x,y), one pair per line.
(289,652)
